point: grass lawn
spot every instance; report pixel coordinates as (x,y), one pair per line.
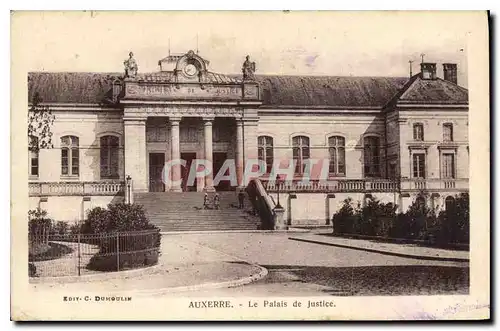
(47,251)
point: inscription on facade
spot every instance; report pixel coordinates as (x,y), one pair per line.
(172,91)
(184,111)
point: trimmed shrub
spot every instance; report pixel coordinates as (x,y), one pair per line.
(127,260)
(59,228)
(374,219)
(414,223)
(377,217)
(39,227)
(38,222)
(138,240)
(120,217)
(418,223)
(453,224)
(345,220)
(32,270)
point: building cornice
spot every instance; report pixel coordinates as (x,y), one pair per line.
(293,107)
(207,103)
(317,111)
(78,106)
(432,105)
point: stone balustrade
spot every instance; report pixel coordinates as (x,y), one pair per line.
(434,184)
(365,185)
(75,188)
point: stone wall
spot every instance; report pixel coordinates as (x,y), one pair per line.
(353,127)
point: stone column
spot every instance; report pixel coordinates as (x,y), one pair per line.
(207,130)
(135,152)
(175,170)
(239,152)
(250,148)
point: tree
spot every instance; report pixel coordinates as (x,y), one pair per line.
(454,221)
(346,218)
(419,217)
(40,121)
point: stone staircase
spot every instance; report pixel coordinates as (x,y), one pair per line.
(184,212)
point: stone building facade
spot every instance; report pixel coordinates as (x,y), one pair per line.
(392,137)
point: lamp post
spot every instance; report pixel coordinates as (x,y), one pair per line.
(278,183)
(128,179)
(395,183)
(278,211)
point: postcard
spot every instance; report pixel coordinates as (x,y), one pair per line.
(280,165)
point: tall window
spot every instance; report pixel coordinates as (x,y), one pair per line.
(266,152)
(372,156)
(300,153)
(448,165)
(447,132)
(33,154)
(336,147)
(419,165)
(109,156)
(418,131)
(69,156)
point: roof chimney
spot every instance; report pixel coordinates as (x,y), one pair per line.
(450,72)
(428,70)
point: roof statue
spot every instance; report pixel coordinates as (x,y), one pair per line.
(248,69)
(130,66)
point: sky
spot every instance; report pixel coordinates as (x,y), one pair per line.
(287,43)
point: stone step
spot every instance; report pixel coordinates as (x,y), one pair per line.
(184,212)
(198,224)
(198,216)
(174,221)
(200,220)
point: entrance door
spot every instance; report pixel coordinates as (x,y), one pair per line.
(218,162)
(156,164)
(189,157)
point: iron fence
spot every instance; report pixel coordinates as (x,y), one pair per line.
(53,254)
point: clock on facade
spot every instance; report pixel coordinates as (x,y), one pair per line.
(190,70)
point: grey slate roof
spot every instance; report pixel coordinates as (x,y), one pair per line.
(72,87)
(285,91)
(329,90)
(437,91)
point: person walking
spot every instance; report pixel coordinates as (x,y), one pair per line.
(205,201)
(241,200)
(216,201)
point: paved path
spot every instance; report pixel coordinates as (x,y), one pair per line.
(183,265)
(301,268)
(67,264)
(403,250)
(295,268)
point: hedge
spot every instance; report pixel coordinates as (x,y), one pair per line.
(418,223)
(139,240)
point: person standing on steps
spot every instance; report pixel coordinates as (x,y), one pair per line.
(241,200)
(216,201)
(205,201)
